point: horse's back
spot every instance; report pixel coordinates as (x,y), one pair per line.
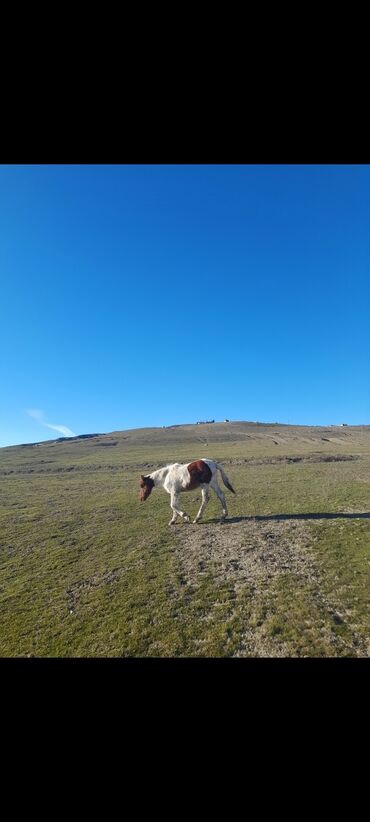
(211,463)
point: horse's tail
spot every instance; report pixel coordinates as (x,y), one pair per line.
(225,478)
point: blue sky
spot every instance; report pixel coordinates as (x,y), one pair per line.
(153,295)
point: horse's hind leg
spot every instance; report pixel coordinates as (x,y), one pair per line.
(214,484)
(174,514)
(205,499)
(176,510)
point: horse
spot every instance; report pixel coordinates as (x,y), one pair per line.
(179,477)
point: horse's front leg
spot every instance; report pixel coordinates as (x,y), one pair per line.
(176,510)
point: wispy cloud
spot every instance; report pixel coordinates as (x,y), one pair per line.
(39,416)
(62,428)
(33,412)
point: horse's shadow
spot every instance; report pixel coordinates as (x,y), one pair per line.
(283,517)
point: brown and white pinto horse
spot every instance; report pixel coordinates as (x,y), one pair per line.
(176,478)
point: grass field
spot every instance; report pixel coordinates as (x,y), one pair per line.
(88,570)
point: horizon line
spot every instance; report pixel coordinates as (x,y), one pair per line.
(184,424)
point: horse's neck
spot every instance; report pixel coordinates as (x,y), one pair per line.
(159,476)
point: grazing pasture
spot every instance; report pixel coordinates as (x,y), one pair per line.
(87,570)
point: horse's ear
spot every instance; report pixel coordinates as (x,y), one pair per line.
(142,477)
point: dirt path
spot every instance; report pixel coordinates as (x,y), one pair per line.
(255,556)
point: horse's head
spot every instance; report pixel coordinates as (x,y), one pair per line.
(146,485)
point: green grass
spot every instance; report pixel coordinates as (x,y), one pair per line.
(87,570)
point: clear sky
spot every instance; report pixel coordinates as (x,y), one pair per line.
(139,296)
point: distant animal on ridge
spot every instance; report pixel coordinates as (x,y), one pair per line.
(176,477)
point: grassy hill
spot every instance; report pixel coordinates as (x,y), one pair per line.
(87,570)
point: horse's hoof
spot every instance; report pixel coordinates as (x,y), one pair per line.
(186,518)
(195,521)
